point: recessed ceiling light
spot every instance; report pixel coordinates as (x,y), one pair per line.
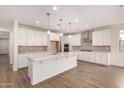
(86,26)
(37,22)
(76,20)
(55,8)
(69,36)
(48,32)
(61,34)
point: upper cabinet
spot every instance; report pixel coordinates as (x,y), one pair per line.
(22,37)
(31,38)
(54,36)
(74,40)
(101,38)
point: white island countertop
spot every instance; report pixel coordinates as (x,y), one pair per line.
(44,56)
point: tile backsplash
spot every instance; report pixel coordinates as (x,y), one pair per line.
(102,48)
(22,49)
(76,48)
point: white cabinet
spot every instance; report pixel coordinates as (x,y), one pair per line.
(32,37)
(74,40)
(107,37)
(54,36)
(22,37)
(44,39)
(67,40)
(37,38)
(22,61)
(95,57)
(94,38)
(101,38)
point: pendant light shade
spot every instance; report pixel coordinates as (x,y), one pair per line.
(48,32)
(69,29)
(48,29)
(61,34)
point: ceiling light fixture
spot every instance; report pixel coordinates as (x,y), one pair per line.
(37,22)
(61,34)
(69,26)
(58,26)
(76,20)
(48,32)
(69,36)
(55,8)
(48,29)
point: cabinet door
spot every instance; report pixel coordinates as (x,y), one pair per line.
(87,56)
(104,59)
(93,57)
(67,40)
(94,38)
(22,61)
(37,38)
(44,39)
(22,36)
(30,37)
(100,39)
(76,40)
(107,38)
(79,56)
(98,58)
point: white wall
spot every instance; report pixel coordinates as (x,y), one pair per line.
(4,46)
(117,57)
(15,45)
(11,49)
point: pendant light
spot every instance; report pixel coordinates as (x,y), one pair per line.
(61,34)
(69,29)
(48,29)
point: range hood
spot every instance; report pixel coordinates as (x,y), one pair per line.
(87,36)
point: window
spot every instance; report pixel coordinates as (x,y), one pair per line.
(121,40)
(121,34)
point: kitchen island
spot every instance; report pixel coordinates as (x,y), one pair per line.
(44,66)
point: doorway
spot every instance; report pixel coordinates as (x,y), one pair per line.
(4,43)
(54,47)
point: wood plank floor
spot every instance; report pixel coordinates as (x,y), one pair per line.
(86,75)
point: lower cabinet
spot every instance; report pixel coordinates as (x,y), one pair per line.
(95,57)
(22,61)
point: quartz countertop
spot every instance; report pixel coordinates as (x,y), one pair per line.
(40,57)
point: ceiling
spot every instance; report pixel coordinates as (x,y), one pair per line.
(91,15)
